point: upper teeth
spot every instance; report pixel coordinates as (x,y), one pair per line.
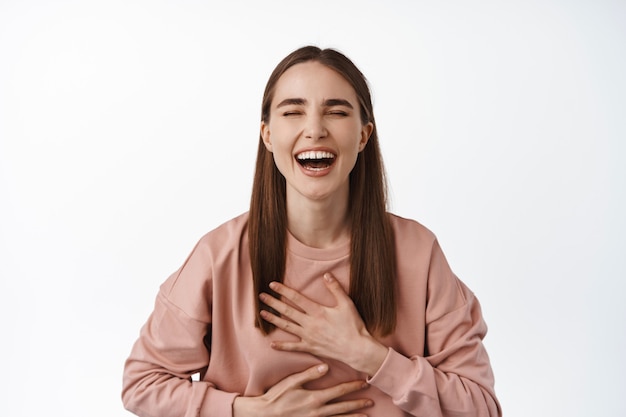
(315,155)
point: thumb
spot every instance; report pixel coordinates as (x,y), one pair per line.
(300,378)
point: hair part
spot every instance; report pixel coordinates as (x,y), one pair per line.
(372,251)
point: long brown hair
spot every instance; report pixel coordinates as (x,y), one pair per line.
(372,253)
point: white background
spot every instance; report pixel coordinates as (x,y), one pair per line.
(129,128)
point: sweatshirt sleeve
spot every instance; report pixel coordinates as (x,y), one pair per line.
(171,348)
(454,378)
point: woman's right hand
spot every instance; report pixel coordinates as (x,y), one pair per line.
(288,398)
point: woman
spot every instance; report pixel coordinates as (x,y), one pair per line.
(317,301)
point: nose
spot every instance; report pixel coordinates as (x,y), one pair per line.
(315,128)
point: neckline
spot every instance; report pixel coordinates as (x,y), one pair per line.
(317,254)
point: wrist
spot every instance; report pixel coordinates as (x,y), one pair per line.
(245,407)
(370,356)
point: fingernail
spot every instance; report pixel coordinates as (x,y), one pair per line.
(273,285)
(322,368)
(365,385)
(328,277)
(369,403)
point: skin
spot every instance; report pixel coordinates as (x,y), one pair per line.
(315,108)
(336,332)
(317,201)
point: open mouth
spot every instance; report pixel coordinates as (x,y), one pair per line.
(315,160)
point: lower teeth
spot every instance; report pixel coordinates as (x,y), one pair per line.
(316,166)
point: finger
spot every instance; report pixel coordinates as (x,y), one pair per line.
(281,323)
(342,389)
(283,308)
(335,288)
(344,407)
(294,296)
(287,346)
(301,378)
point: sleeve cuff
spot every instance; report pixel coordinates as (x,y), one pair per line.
(391,373)
(398,374)
(218,403)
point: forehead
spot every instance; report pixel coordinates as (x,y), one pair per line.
(313,81)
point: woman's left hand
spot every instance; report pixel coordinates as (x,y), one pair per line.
(336,332)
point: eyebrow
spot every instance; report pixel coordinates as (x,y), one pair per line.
(337,102)
(291,101)
(327,103)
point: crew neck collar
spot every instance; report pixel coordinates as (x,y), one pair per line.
(317,254)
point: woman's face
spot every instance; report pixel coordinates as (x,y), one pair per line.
(315,132)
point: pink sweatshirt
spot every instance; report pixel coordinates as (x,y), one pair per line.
(203,321)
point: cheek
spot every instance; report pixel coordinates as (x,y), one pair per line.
(280,147)
(355,141)
(282,156)
(282,135)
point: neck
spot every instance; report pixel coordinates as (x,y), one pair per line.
(319,224)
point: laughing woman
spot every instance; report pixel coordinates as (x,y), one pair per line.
(317,302)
